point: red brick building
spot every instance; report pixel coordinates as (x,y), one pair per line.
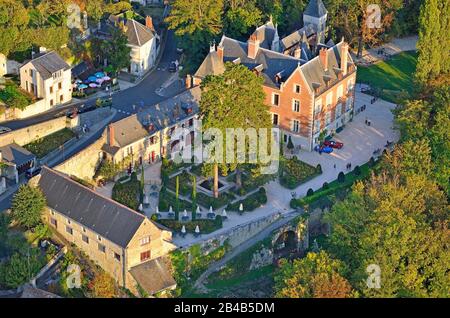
(309,86)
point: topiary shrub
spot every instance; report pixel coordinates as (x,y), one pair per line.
(357,171)
(325,185)
(319,168)
(310,192)
(341,177)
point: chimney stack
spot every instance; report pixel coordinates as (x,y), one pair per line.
(344,58)
(188,81)
(253,46)
(111,135)
(323,55)
(149,22)
(297,53)
(220,52)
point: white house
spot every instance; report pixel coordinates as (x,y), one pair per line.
(48,77)
(143,41)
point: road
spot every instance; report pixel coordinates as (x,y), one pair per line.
(143,94)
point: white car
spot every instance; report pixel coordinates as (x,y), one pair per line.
(4,130)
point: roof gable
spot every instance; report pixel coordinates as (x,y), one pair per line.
(315,9)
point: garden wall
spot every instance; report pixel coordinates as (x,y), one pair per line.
(29,134)
(84,164)
(31,110)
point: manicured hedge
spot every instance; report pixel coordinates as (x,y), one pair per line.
(294,172)
(206,226)
(207,201)
(250,203)
(167,199)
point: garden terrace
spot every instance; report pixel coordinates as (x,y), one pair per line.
(184,183)
(294,172)
(167,199)
(47,144)
(128,192)
(207,201)
(14,97)
(206,226)
(251,202)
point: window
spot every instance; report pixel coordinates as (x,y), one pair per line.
(275,119)
(69,230)
(99,238)
(328,118)
(338,110)
(317,125)
(296,105)
(117,257)
(85,239)
(329,98)
(349,86)
(51,102)
(145,240)
(297,89)
(59,85)
(145,256)
(51,89)
(68,221)
(84,229)
(53,222)
(318,106)
(31,73)
(52,212)
(61,98)
(295,126)
(340,91)
(101,248)
(275,99)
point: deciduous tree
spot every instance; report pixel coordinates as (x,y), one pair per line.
(27,206)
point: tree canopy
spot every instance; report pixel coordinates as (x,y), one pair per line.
(27,206)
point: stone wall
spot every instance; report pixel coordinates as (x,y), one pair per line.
(84,164)
(29,134)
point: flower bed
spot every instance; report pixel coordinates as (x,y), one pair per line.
(128,193)
(168,199)
(47,144)
(250,203)
(294,172)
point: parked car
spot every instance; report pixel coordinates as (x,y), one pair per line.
(103,102)
(333,144)
(323,148)
(173,67)
(60,113)
(4,130)
(32,172)
(84,109)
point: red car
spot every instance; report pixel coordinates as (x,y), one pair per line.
(333,144)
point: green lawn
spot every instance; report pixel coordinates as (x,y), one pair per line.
(45,145)
(392,77)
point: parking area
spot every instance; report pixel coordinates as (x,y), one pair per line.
(360,141)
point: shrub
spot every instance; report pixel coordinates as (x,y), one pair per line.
(325,185)
(128,193)
(357,171)
(319,168)
(295,172)
(310,192)
(251,202)
(341,177)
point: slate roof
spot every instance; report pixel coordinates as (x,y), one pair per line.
(137,33)
(211,65)
(32,292)
(265,34)
(153,276)
(296,37)
(272,62)
(164,114)
(314,70)
(315,8)
(16,154)
(111,220)
(48,63)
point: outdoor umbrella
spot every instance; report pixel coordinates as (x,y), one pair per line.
(183,230)
(185,213)
(157,210)
(82,86)
(241,207)
(198,209)
(93,85)
(99,74)
(106,78)
(170,209)
(78,81)
(197,229)
(224,213)
(210,209)
(92,78)
(99,80)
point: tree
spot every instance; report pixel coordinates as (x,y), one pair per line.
(234,99)
(434,23)
(117,50)
(103,286)
(27,206)
(240,16)
(95,9)
(20,268)
(177,196)
(316,275)
(194,197)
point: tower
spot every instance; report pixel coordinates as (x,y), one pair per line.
(316,15)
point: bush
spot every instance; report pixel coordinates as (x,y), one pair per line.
(319,168)
(310,192)
(295,172)
(251,202)
(128,193)
(325,185)
(206,226)
(357,171)
(341,177)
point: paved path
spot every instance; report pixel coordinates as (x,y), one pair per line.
(243,247)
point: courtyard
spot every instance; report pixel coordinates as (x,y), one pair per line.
(360,141)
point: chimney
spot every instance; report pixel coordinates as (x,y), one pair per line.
(149,22)
(1,156)
(111,135)
(344,58)
(323,55)
(297,53)
(220,52)
(253,46)
(188,81)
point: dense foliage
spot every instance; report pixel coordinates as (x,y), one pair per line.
(27,206)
